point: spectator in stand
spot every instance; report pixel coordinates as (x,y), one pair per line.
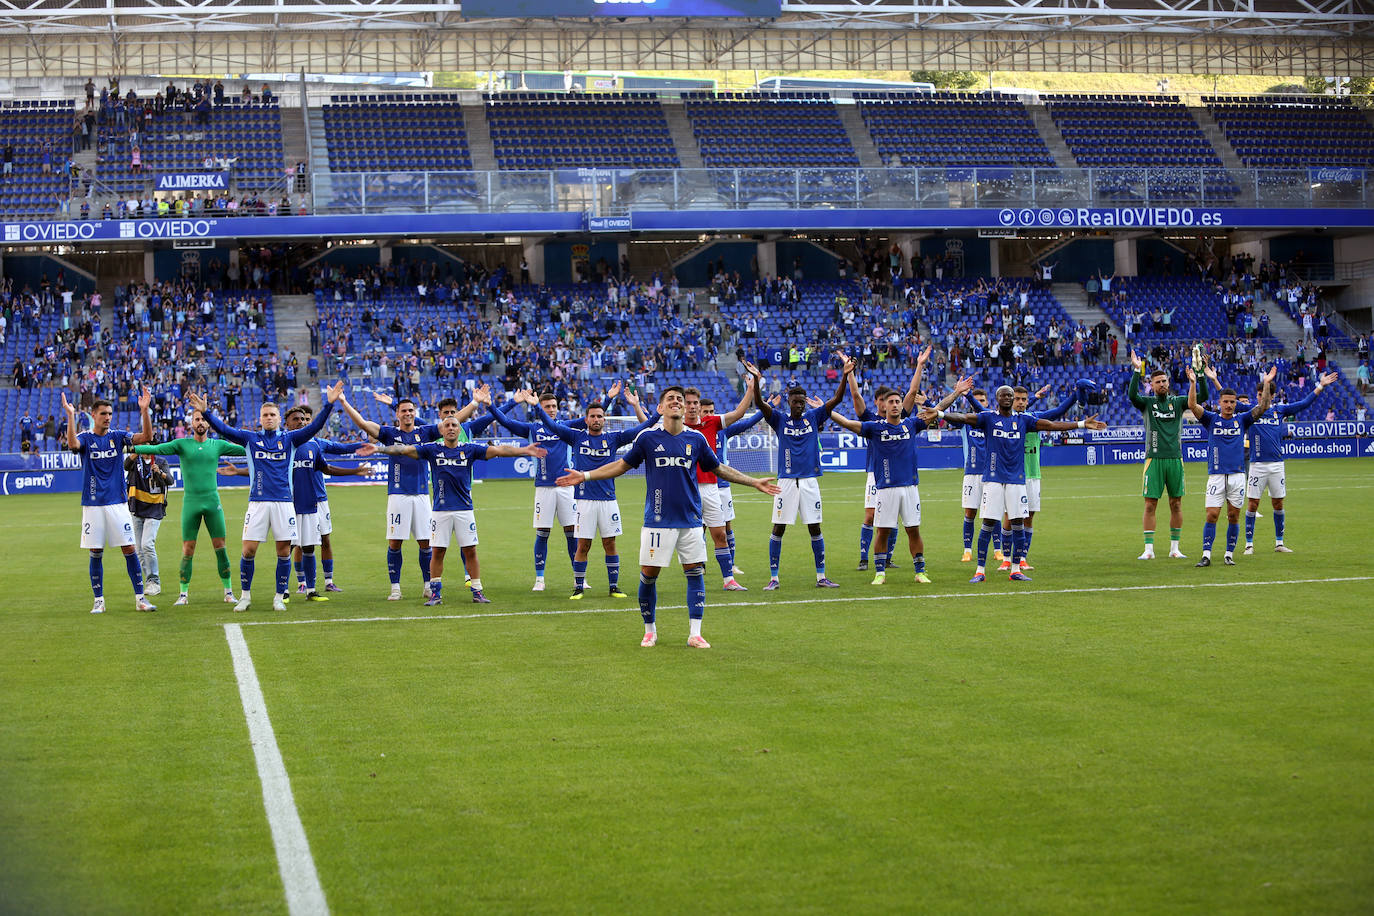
(135,160)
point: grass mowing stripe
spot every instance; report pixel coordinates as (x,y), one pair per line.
(1010,593)
(304,896)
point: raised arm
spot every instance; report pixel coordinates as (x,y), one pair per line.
(856,396)
(847,369)
(225,431)
(467,410)
(1266,396)
(146,433)
(744,425)
(1304,402)
(1054,413)
(367,426)
(1193,404)
(961,389)
(743,405)
(754,388)
(1059,426)
(909,402)
(854,426)
(1133,386)
(73,443)
(630,398)
(519,427)
(312,429)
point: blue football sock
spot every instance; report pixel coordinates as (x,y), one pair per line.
(880,560)
(541,551)
(1232,535)
(246,573)
(98,576)
(1029,533)
(1249,527)
(580,573)
(891,544)
(309,564)
(696,593)
(327,566)
(283,574)
(865,541)
(135,572)
(1005,541)
(1278,524)
(426,554)
(818,553)
(919,562)
(1018,542)
(723,560)
(572,548)
(613,570)
(1209,534)
(730,542)
(436,588)
(985,542)
(300,568)
(393,565)
(648,599)
(774,554)
(968,532)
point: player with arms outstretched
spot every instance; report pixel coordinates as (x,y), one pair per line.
(1004,487)
(1266,462)
(1225,459)
(270,504)
(1163,473)
(452,519)
(105,517)
(671,457)
(199,456)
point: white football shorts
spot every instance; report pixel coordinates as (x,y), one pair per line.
(260,516)
(106,526)
(448,527)
(798,496)
(727,502)
(407,517)
(870,492)
(1000,499)
(973,491)
(1225,488)
(554,507)
(597,517)
(657,546)
(711,514)
(308,530)
(1032,494)
(1265,475)
(322,515)
(898,503)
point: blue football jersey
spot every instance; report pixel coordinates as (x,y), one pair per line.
(270,455)
(307,462)
(799,442)
(1006,445)
(592,451)
(102,467)
(407,476)
(1266,436)
(672,498)
(327,447)
(452,470)
(734,429)
(1226,441)
(549,468)
(894,449)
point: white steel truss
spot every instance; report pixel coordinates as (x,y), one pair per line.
(47,38)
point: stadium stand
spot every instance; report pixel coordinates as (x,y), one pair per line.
(547,130)
(952,129)
(1296,132)
(33,132)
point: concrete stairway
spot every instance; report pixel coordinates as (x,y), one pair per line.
(480,147)
(290,314)
(318,141)
(864,147)
(295,141)
(680,129)
(1075,301)
(1049,131)
(1215,136)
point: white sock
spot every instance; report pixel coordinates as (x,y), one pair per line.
(1173,545)
(475,585)
(695,624)
(1207,554)
(651,628)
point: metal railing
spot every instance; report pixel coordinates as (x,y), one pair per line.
(614,191)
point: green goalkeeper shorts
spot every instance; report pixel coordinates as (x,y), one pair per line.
(192,516)
(1161,475)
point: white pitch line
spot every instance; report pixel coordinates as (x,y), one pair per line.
(304,896)
(1013,593)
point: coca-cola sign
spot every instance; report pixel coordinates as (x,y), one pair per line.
(1334,173)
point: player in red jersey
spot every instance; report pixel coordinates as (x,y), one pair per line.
(712,517)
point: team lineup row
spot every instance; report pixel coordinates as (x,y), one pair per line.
(680,447)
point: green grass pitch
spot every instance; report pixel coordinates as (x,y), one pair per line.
(1116,736)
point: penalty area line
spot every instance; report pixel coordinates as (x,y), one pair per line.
(304,895)
(1008,593)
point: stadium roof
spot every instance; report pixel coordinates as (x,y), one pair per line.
(1280,37)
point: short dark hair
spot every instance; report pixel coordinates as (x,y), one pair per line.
(1158,372)
(548,396)
(796,389)
(297,409)
(101,403)
(977,392)
(678,388)
(881,392)
(1020,389)
(1226,391)
(707,402)
(448,402)
(685,391)
(596,405)
(409,401)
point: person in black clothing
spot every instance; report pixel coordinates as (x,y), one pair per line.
(149,477)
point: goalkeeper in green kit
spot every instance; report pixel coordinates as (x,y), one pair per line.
(1163,451)
(200,457)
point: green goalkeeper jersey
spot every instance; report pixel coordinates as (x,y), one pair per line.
(1032,455)
(199,465)
(1163,417)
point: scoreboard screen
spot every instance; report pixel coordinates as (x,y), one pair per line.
(620,9)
